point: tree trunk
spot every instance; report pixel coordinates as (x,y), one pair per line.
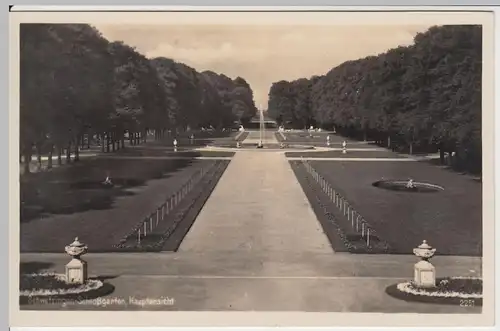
(364,135)
(59,156)
(68,153)
(411,148)
(113,145)
(39,156)
(89,136)
(130,138)
(101,136)
(441,155)
(122,138)
(27,160)
(51,153)
(107,142)
(77,150)
(389,141)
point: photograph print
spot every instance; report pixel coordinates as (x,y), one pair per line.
(214,167)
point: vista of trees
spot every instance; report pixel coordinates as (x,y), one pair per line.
(421,98)
(74,84)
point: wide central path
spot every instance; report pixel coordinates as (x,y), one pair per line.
(257,206)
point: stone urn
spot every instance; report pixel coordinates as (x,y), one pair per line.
(425,272)
(76,269)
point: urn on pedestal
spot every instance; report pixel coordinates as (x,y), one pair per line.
(425,272)
(76,269)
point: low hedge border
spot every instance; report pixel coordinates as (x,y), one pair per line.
(316,194)
(195,201)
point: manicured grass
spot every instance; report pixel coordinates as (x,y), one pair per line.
(200,139)
(349,154)
(171,230)
(71,201)
(153,151)
(339,231)
(319,139)
(450,220)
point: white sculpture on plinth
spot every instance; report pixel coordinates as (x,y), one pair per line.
(344,147)
(425,272)
(175,145)
(76,269)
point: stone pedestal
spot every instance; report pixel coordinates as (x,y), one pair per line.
(424,271)
(76,271)
(425,274)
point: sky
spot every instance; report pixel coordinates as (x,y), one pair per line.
(262,54)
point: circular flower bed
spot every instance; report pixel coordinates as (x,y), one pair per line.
(50,285)
(463,291)
(402,185)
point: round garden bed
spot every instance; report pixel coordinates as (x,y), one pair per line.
(51,286)
(402,185)
(463,291)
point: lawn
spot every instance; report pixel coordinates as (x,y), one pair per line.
(201,138)
(71,201)
(450,220)
(349,154)
(157,151)
(320,139)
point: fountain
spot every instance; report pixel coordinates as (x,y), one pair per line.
(261,129)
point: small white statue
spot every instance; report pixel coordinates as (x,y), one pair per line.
(344,144)
(108,181)
(410,184)
(175,142)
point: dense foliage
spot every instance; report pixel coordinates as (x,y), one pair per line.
(424,97)
(76,85)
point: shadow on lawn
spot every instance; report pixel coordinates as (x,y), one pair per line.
(80,188)
(33,267)
(437,162)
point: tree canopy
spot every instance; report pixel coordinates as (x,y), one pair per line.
(75,83)
(426,96)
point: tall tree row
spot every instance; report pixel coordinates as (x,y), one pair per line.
(75,85)
(424,97)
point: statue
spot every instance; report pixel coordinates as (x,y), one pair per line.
(107,181)
(410,184)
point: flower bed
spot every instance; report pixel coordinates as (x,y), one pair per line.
(168,235)
(50,285)
(334,224)
(463,291)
